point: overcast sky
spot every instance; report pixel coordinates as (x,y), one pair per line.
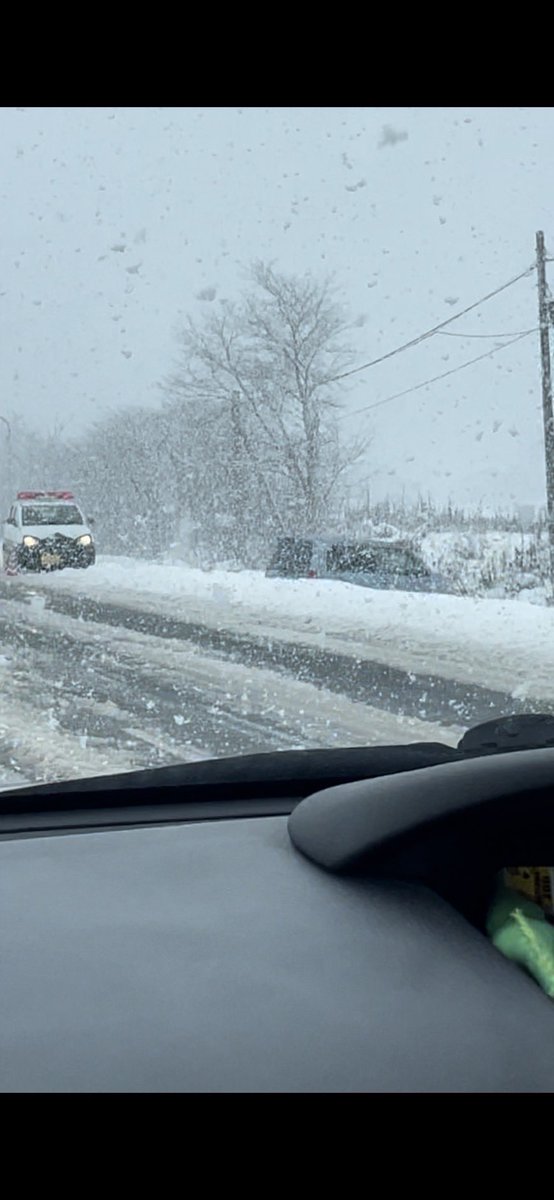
(117,222)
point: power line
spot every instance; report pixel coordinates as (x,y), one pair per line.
(426,382)
(436,328)
(514,333)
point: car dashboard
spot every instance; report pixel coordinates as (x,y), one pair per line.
(305,922)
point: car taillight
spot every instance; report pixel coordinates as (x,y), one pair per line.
(312,574)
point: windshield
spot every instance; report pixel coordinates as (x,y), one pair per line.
(292,365)
(51,514)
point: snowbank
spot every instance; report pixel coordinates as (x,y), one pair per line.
(497,643)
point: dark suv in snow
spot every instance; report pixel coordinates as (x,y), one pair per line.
(372,563)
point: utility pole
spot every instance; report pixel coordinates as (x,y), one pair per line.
(238,480)
(548,419)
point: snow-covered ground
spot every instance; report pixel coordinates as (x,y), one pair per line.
(499,644)
(80,698)
(82,695)
(490,562)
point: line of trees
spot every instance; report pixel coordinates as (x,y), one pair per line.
(245,444)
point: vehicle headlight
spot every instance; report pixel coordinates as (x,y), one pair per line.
(29,540)
(84,540)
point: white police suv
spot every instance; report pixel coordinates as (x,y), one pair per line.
(46,531)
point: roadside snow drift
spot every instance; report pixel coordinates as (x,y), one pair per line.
(496,643)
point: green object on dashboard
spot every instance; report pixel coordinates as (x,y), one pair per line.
(519,929)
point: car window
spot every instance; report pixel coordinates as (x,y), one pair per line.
(50,514)
(397,559)
(276,453)
(292,556)
(343,557)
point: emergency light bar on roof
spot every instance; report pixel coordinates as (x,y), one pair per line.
(45,496)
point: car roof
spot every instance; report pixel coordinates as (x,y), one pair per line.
(343,539)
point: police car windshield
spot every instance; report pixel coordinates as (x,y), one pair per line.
(51,514)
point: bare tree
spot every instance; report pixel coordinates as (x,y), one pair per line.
(267,368)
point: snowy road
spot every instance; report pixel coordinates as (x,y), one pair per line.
(90,696)
(503,645)
(133,664)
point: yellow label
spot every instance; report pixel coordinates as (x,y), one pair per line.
(535,883)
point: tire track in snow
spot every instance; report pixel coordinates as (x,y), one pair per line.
(159,701)
(425,697)
(106,700)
